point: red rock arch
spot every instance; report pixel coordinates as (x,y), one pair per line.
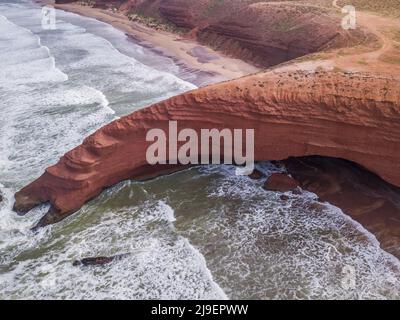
(354,117)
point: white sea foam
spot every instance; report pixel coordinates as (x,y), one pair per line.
(123,78)
(169,212)
(258,246)
(39,68)
(161,264)
(58,87)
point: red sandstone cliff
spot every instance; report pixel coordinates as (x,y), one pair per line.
(264,33)
(271,33)
(354,117)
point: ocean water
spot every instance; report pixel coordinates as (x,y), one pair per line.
(203,233)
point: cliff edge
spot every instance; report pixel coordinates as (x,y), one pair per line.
(350,116)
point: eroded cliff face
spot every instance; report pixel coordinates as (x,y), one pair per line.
(260,32)
(267,34)
(264,33)
(350,116)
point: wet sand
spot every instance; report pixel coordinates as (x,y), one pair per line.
(211,66)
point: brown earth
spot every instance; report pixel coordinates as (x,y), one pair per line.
(265,33)
(271,33)
(382,7)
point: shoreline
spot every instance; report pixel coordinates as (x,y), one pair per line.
(371,212)
(208,65)
(212,67)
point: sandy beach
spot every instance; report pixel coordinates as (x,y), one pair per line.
(210,65)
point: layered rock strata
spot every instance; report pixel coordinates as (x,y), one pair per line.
(349,116)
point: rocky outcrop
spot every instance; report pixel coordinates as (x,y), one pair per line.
(99,261)
(264,33)
(350,116)
(281,182)
(260,32)
(267,34)
(256,175)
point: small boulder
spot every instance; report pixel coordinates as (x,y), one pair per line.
(256,175)
(280,182)
(284,197)
(298,191)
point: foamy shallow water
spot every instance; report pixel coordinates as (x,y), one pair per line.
(202,234)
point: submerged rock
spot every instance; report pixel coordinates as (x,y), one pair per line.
(284,197)
(256,175)
(298,191)
(98,261)
(281,182)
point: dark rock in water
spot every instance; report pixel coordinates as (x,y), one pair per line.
(298,191)
(284,197)
(317,206)
(99,261)
(280,182)
(23,205)
(256,175)
(1,198)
